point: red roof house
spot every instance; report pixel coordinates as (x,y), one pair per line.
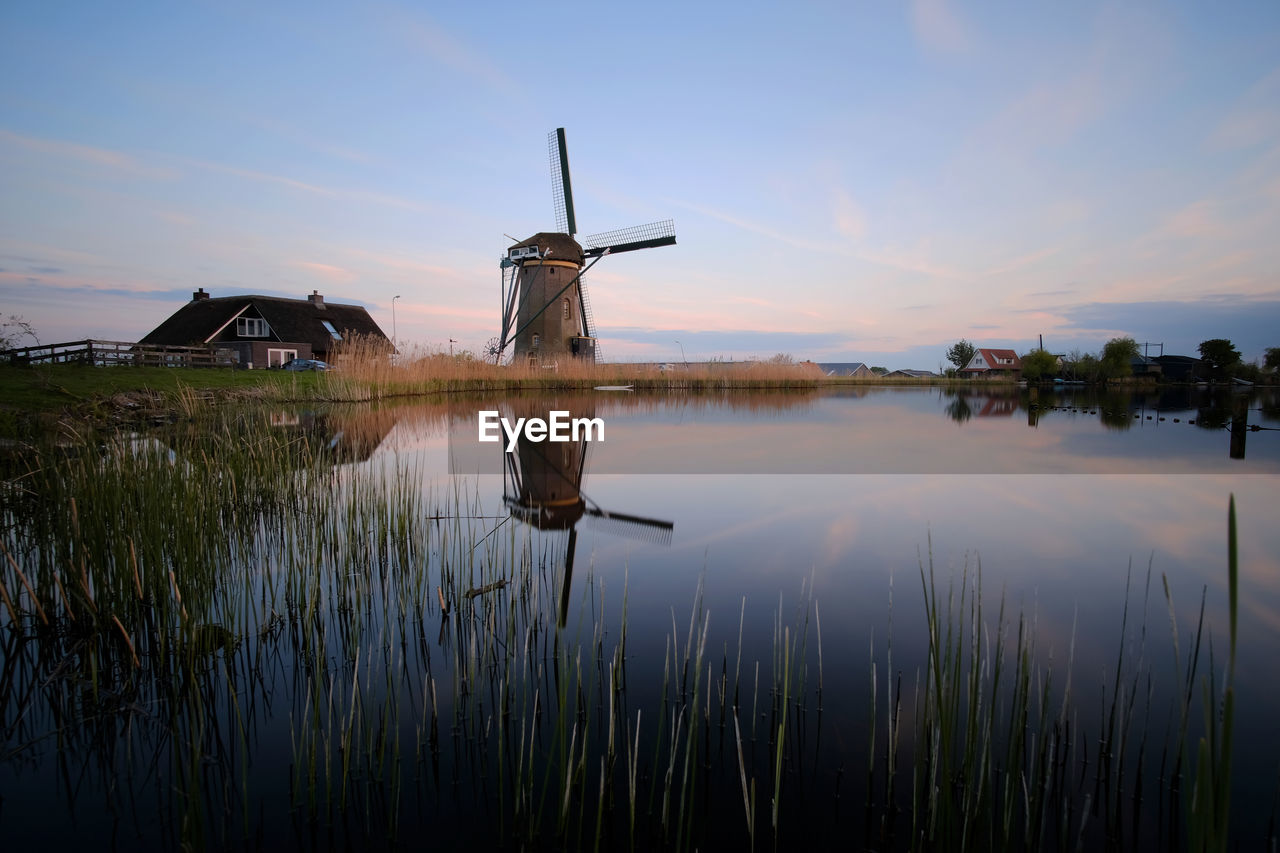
(993,362)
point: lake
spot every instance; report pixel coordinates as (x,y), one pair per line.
(713,628)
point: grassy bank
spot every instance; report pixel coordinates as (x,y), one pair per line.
(35,399)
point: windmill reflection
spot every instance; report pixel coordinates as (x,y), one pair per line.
(542,486)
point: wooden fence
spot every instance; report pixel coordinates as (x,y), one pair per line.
(105,353)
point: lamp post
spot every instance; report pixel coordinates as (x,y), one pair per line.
(393,322)
(451,343)
(682,358)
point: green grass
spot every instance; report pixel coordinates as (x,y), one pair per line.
(36,398)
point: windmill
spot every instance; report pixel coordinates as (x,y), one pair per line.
(542,486)
(545,309)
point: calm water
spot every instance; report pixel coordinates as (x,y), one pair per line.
(800,509)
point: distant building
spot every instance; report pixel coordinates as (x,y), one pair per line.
(855,369)
(1180,368)
(1140,365)
(993,362)
(267,331)
(907,373)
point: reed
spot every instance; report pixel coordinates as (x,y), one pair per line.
(214,619)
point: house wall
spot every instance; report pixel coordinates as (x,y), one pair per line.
(256,353)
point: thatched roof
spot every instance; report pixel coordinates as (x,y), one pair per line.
(205,320)
(562,246)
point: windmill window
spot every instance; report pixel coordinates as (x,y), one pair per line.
(537,339)
(251,327)
(568,311)
(334,333)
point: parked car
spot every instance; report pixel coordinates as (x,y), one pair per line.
(306,364)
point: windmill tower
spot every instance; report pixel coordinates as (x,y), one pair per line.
(545,310)
(542,486)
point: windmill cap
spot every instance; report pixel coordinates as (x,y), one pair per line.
(562,246)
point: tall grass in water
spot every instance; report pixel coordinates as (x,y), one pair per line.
(272,645)
(1003,757)
(176,610)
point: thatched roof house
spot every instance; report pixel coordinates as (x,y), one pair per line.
(267,331)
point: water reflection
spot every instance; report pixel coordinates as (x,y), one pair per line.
(542,485)
(329,589)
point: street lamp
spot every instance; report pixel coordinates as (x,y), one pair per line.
(682,358)
(393,322)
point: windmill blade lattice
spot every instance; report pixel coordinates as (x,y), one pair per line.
(637,527)
(561,185)
(649,236)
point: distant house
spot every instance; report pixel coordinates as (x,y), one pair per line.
(1140,365)
(1180,368)
(855,369)
(907,373)
(267,331)
(993,362)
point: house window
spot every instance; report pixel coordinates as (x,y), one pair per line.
(251,327)
(567,310)
(333,333)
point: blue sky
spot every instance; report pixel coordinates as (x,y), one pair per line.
(849,181)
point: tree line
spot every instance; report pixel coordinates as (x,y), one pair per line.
(1115,361)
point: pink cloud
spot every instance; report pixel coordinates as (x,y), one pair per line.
(302,186)
(938,28)
(1254,118)
(1196,220)
(85,154)
(327,270)
(851,220)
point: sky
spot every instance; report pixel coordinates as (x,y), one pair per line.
(849,181)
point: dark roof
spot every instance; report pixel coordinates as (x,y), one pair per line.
(290,320)
(911,373)
(562,246)
(842,368)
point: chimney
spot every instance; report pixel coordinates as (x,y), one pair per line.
(199,295)
(316,299)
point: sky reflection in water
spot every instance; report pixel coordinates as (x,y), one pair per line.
(1061,505)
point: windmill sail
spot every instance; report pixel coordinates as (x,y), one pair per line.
(561,186)
(653,530)
(629,239)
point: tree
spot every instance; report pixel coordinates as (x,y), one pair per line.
(961,353)
(1117,356)
(1272,361)
(1039,364)
(1081,366)
(12,331)
(1219,355)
